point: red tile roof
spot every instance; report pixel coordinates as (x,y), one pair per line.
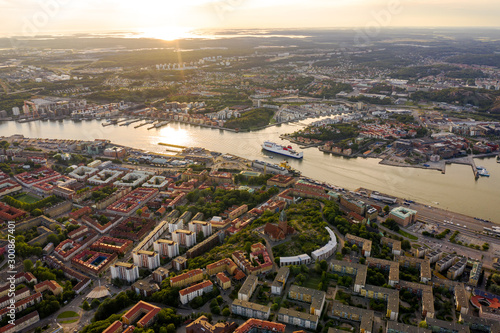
(186,275)
(201,285)
(261,325)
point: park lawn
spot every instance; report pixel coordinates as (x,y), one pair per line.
(27,198)
(67,314)
(407,235)
(312,281)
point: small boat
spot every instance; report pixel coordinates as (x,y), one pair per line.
(482,172)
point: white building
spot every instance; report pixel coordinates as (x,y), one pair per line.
(155,234)
(105,177)
(200,226)
(189,293)
(125,271)
(327,250)
(146,259)
(133,179)
(175,224)
(184,237)
(158,182)
(302,259)
(166,248)
(82,173)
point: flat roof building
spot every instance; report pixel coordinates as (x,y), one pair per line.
(364,244)
(249,309)
(403,216)
(306,320)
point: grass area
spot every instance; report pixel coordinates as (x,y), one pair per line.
(407,235)
(27,198)
(312,282)
(67,314)
(69,321)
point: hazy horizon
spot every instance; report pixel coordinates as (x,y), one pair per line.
(171,20)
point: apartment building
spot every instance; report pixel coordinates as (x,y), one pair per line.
(146,259)
(301,319)
(357,270)
(187,278)
(308,295)
(189,293)
(125,271)
(184,238)
(145,312)
(279,281)
(391,266)
(166,248)
(223,281)
(200,226)
(250,310)
(365,317)
(395,245)
(248,288)
(364,244)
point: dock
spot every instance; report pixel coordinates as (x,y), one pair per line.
(469,160)
(171,145)
(130,122)
(159,125)
(109,123)
(145,123)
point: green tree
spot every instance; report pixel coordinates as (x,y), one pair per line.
(95,303)
(37,212)
(86,305)
(386,209)
(28,265)
(226,312)
(170,328)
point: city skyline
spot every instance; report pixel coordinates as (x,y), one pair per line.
(175,20)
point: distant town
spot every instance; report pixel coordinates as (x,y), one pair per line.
(98,236)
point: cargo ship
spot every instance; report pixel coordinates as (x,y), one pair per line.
(282,150)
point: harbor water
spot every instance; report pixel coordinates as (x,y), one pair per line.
(457,190)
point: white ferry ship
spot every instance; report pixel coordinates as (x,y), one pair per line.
(282,150)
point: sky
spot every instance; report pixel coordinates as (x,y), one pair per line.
(172,18)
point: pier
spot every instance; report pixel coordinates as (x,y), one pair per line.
(171,145)
(469,160)
(145,123)
(130,122)
(159,125)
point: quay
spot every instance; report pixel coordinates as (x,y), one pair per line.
(130,122)
(171,145)
(145,123)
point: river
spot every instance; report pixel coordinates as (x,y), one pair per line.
(457,190)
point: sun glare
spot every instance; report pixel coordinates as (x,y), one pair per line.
(166,33)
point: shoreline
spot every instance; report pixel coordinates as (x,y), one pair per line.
(244,160)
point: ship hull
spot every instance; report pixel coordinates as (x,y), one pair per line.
(283,154)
